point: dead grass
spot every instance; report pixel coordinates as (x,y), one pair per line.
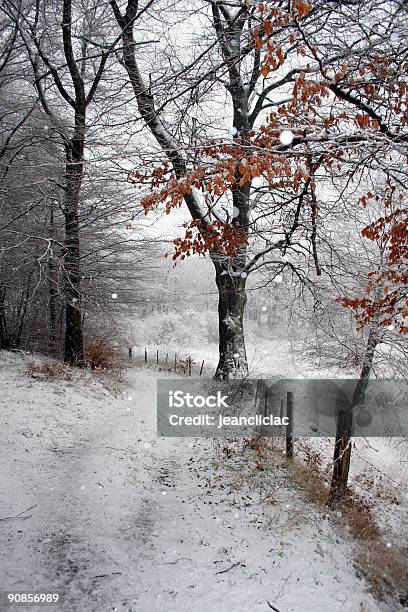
(100,356)
(48,370)
(385,567)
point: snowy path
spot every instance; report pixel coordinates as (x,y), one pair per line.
(123,521)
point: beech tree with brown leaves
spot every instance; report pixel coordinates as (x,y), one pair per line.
(315,90)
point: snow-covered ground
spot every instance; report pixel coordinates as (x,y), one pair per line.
(94,506)
(379,466)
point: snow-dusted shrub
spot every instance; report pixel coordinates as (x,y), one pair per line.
(159,328)
(172,328)
(101,355)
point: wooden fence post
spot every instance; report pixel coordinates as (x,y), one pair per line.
(266,402)
(130,352)
(201,369)
(145,355)
(175,360)
(289,427)
(189,366)
(167,356)
(282,403)
(157,356)
(341,457)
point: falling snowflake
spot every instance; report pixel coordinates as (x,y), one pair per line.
(164,493)
(236,355)
(264,308)
(390,327)
(130,398)
(286,137)
(114,296)
(278,279)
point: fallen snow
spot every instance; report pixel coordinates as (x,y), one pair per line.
(94,506)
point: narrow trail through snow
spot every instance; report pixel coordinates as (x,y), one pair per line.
(94,506)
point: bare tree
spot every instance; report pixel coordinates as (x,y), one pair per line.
(295,66)
(75,82)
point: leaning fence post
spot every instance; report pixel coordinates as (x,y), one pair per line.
(281,415)
(266,402)
(341,457)
(289,427)
(201,369)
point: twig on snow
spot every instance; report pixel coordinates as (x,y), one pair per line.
(106,575)
(228,568)
(8,518)
(176,561)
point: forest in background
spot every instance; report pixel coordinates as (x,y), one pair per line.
(272,134)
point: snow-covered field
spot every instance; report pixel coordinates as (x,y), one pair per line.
(95,507)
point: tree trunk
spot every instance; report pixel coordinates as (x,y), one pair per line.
(231,285)
(52,309)
(74,346)
(231,307)
(52,291)
(22,311)
(4,336)
(342,447)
